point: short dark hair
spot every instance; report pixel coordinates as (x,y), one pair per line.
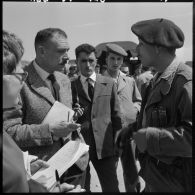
(84,48)
(13,51)
(44,35)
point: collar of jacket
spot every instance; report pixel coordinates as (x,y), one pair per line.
(164,82)
(121,80)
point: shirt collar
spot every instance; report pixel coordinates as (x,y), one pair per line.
(92,77)
(170,69)
(168,72)
(42,73)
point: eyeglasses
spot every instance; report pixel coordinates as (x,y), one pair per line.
(21,76)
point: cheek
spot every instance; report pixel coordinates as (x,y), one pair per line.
(93,66)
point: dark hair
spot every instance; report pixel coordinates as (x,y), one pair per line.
(44,35)
(84,48)
(12,52)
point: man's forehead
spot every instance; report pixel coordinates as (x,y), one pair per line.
(87,55)
(59,41)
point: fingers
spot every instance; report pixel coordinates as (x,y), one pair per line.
(42,163)
(77,189)
(64,187)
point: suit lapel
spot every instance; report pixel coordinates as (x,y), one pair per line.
(121,83)
(63,84)
(38,84)
(99,87)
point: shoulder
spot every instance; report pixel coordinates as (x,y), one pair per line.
(104,79)
(184,71)
(62,77)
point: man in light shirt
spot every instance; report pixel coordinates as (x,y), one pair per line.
(101,118)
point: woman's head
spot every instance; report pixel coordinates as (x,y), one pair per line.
(13,74)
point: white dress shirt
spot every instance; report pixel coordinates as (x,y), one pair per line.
(85,83)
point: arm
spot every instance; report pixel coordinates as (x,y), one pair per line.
(26,135)
(177,140)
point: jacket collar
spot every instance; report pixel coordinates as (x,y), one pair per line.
(162,85)
(121,80)
(35,81)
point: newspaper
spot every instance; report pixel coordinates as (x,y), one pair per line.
(58,112)
(61,161)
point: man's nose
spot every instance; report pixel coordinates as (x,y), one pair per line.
(65,58)
(88,64)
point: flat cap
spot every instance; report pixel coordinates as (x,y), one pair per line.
(114,48)
(161,32)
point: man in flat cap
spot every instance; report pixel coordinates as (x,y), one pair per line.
(130,104)
(164,129)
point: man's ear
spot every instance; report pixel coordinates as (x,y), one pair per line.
(41,50)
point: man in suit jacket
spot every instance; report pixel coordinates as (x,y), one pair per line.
(101,119)
(130,104)
(18,165)
(38,95)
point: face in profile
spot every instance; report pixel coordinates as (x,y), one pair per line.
(56,53)
(146,53)
(86,63)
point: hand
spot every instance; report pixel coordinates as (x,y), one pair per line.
(36,165)
(140,139)
(62,128)
(78,112)
(77,189)
(64,187)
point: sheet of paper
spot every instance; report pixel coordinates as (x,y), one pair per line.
(61,161)
(58,112)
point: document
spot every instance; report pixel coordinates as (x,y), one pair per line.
(58,112)
(61,161)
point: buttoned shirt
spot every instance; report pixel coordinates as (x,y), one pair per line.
(85,83)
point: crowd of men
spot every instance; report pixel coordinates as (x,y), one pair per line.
(145,117)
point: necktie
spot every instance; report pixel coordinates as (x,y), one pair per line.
(90,88)
(55,85)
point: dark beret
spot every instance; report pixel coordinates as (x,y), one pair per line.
(114,48)
(161,32)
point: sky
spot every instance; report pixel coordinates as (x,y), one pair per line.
(93,23)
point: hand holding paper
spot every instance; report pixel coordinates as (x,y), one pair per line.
(61,161)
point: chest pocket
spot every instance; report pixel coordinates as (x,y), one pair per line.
(159,116)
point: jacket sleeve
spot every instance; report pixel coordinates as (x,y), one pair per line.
(25,135)
(177,140)
(115,110)
(136,97)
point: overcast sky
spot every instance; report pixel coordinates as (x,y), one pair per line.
(92,23)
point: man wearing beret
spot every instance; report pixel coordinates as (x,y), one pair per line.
(164,130)
(130,104)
